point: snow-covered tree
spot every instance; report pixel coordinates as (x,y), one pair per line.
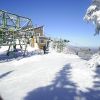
(59,44)
(93,15)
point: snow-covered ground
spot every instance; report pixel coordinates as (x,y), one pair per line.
(53,76)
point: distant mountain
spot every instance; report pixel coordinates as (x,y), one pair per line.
(83,52)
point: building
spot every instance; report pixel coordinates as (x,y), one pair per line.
(39,38)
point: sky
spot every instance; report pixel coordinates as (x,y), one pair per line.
(61,18)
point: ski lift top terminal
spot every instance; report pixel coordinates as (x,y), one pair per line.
(14,30)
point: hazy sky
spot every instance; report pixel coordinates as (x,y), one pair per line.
(61,18)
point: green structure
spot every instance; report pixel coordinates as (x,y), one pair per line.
(15,30)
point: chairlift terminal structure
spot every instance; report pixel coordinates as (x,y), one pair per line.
(15,30)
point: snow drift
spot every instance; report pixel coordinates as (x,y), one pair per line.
(94,62)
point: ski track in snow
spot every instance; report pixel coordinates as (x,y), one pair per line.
(19,77)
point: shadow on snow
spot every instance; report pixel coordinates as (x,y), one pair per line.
(62,88)
(5,74)
(94,93)
(17,55)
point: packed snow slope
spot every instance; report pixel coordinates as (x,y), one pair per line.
(53,76)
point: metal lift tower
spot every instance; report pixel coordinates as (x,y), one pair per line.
(15,30)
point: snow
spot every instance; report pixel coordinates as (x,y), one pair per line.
(95,60)
(93,15)
(53,76)
(86,74)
